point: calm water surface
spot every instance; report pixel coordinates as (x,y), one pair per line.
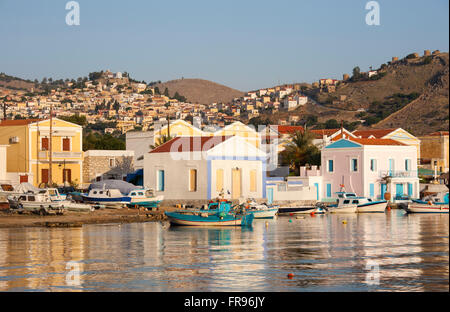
(324,254)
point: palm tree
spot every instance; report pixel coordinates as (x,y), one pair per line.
(300,151)
(161,140)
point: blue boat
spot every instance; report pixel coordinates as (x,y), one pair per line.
(106,196)
(219,214)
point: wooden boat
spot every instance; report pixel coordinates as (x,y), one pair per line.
(438,203)
(364,204)
(222,216)
(144,198)
(108,197)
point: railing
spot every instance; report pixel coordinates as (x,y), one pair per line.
(399,173)
(46,154)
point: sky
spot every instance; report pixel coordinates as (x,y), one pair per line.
(245,44)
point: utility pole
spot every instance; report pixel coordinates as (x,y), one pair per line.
(50,180)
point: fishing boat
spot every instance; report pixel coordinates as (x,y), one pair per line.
(343,205)
(261,211)
(109,197)
(144,198)
(220,214)
(364,204)
(436,203)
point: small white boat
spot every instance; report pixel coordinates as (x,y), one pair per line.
(364,204)
(39,203)
(261,211)
(144,198)
(78,207)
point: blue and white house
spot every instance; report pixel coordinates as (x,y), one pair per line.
(200,168)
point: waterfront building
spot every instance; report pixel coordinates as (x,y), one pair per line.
(28,153)
(101,165)
(200,168)
(370,168)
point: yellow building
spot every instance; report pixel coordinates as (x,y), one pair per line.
(179,127)
(434,151)
(28,153)
(239,129)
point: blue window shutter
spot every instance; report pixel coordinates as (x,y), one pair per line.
(328,190)
(410,189)
(330,165)
(372,190)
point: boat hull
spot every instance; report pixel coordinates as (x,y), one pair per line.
(265,213)
(295,210)
(423,208)
(117,200)
(343,209)
(372,207)
(212,220)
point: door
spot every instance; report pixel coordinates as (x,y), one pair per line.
(23,178)
(372,190)
(328,190)
(270,196)
(67,175)
(45,144)
(383,190)
(398,189)
(317,190)
(410,189)
(44,175)
(160,180)
(236,183)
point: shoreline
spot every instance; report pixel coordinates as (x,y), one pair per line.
(78,219)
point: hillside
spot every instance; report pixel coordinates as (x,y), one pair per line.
(14,83)
(200,91)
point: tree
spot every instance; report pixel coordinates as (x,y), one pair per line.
(300,151)
(161,140)
(166,92)
(157,90)
(356,74)
(76,119)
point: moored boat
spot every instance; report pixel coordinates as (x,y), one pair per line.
(364,204)
(438,203)
(261,211)
(222,216)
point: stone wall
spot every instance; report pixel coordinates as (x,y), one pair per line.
(94,166)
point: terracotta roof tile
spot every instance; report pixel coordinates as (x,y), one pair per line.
(377,133)
(17,122)
(366,141)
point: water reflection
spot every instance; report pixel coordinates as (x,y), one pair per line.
(326,253)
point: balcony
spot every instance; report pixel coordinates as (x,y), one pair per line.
(398,173)
(46,154)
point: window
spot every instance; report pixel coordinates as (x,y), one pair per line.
(31,198)
(133,194)
(330,165)
(67,175)
(354,165)
(355,201)
(252,180)
(407,164)
(160,181)
(44,144)
(94,192)
(140,193)
(112,162)
(373,165)
(66,144)
(328,190)
(219,180)
(192,180)
(347,201)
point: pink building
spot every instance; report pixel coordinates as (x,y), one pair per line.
(362,165)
